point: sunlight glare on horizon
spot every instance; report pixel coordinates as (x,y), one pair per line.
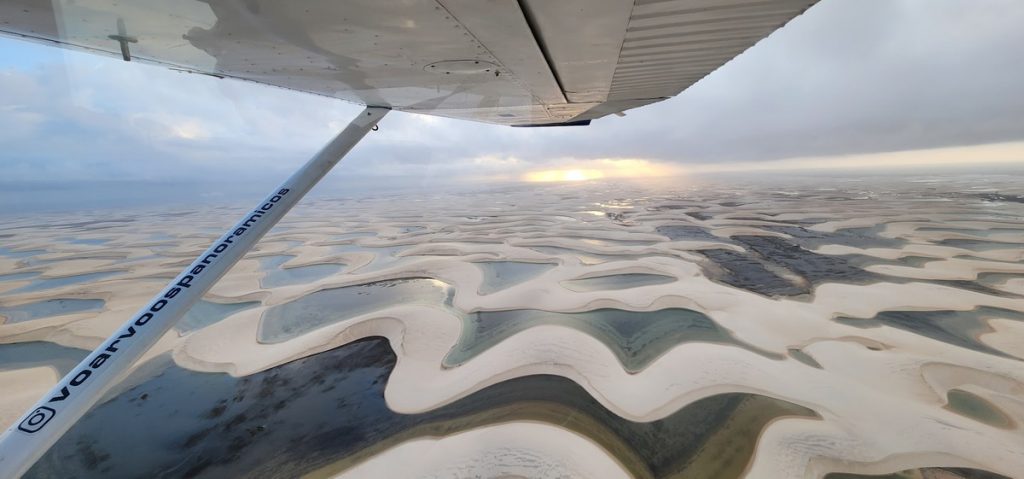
(600,169)
(562,175)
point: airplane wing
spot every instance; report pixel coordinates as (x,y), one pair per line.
(512,62)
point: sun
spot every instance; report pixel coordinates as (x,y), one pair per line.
(563,175)
(574,175)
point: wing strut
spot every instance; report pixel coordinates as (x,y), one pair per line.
(33,434)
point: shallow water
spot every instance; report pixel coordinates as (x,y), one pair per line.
(977,244)
(205,313)
(958,328)
(582,255)
(925,473)
(617,281)
(805,358)
(688,233)
(40,353)
(976,407)
(48,308)
(813,267)
(499,275)
(749,273)
(329,409)
(19,276)
(278,276)
(384,256)
(636,338)
(60,282)
(19,253)
(283,322)
(87,241)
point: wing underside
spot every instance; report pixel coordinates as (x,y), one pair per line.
(513,62)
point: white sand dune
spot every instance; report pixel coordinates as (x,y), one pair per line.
(511,450)
(881,392)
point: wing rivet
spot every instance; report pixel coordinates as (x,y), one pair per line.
(462,67)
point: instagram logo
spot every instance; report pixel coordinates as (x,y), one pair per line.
(37,419)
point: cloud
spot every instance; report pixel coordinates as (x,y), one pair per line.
(980,157)
(847,78)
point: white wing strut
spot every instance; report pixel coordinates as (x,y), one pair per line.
(26,440)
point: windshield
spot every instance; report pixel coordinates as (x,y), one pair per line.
(808,264)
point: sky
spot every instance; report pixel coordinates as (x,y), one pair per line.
(847,84)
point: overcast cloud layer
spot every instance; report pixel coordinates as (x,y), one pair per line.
(850,76)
